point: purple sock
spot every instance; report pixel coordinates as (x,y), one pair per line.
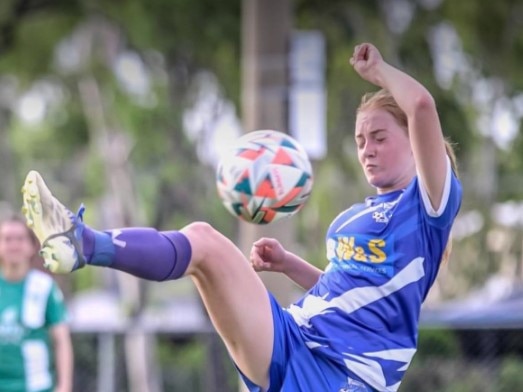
(142,252)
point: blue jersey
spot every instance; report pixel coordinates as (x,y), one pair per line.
(384,256)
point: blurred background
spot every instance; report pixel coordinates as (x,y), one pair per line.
(126,105)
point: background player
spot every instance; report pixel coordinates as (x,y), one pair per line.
(35,344)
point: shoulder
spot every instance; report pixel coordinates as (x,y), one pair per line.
(450,200)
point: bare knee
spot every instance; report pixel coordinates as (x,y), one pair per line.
(200,229)
(207,244)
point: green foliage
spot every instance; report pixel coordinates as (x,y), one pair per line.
(511,375)
(492,32)
(192,35)
(49,144)
(190,354)
(439,366)
(437,343)
(35,40)
(185,363)
(472,381)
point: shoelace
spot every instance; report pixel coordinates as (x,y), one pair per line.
(72,234)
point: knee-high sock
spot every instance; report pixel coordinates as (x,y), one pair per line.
(142,252)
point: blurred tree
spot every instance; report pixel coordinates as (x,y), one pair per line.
(116,125)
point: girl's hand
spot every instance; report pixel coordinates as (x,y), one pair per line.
(366,60)
(267,254)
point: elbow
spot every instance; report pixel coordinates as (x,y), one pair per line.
(424,102)
(423,108)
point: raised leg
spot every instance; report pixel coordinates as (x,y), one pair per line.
(236,299)
(233,294)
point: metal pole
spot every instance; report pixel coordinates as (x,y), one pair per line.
(106,362)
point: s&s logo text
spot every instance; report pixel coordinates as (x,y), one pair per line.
(361,254)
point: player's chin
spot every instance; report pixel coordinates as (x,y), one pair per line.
(374,180)
(377,182)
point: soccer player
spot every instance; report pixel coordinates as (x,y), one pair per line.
(356,327)
(35,345)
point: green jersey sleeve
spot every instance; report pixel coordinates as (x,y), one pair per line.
(56,311)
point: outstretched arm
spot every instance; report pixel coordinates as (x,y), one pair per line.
(267,254)
(426,137)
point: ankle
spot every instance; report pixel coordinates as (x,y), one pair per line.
(97,247)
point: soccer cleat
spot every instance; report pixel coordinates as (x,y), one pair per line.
(57,228)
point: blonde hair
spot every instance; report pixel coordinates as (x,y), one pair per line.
(382,99)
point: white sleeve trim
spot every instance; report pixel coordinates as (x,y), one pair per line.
(444,197)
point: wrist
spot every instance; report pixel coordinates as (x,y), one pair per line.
(382,69)
(288,263)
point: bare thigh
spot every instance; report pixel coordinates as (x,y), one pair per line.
(235,298)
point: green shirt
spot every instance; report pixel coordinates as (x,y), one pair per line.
(28,309)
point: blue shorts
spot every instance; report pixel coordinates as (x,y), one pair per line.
(295,368)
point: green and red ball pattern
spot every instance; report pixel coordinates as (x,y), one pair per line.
(266,176)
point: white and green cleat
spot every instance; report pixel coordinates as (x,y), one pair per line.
(58,229)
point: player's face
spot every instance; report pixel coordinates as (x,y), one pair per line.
(383,150)
(16,247)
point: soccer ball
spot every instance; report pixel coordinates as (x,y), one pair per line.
(267,176)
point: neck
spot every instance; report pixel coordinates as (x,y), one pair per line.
(400,184)
(397,187)
(14,273)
